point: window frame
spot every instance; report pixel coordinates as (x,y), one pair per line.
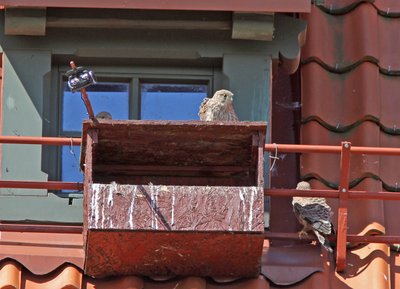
(134,76)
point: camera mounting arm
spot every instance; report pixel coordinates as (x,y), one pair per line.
(78,79)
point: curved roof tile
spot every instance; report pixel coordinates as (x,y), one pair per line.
(341,42)
(41,254)
(325,167)
(385,7)
(363,94)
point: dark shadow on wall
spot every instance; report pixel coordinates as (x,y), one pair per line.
(285,125)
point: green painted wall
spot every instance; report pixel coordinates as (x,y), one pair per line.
(23,91)
(31,92)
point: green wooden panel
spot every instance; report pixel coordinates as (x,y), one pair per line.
(248,77)
(24,73)
(43,209)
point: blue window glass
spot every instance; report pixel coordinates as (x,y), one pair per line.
(70,168)
(160,101)
(112,97)
(108,96)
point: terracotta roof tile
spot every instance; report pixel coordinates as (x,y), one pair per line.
(382,168)
(350,79)
(358,36)
(279,261)
(65,277)
(41,253)
(13,275)
(355,93)
(306,265)
(386,7)
(10,274)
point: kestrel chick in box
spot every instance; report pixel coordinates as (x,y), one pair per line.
(219,107)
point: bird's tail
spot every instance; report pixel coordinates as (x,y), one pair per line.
(324,241)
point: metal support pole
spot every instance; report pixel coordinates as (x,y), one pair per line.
(50,185)
(343,207)
(85,97)
(41,140)
(295,148)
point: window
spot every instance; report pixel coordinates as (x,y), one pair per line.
(159,99)
(112,97)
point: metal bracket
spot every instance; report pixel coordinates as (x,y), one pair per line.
(343,207)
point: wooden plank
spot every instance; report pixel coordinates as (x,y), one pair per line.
(260,161)
(175,208)
(91,140)
(343,207)
(254,156)
(21,21)
(107,167)
(165,254)
(252,26)
(177,180)
(174,143)
(117,23)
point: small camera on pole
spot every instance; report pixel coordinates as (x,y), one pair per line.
(79,78)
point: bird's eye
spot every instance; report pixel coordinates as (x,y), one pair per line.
(225,96)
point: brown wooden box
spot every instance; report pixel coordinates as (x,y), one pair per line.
(169,198)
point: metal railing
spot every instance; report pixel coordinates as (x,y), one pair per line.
(342,193)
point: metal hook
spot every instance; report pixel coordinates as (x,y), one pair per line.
(275,157)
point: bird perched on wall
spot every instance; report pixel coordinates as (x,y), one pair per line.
(104,115)
(314,214)
(219,107)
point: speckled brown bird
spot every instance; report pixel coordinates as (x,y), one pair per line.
(104,115)
(314,214)
(219,107)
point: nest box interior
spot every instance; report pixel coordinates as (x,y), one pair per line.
(164,198)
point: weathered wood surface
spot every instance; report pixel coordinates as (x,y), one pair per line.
(175,143)
(165,198)
(166,254)
(175,208)
(175,152)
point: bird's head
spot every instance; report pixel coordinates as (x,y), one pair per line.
(303,186)
(223,96)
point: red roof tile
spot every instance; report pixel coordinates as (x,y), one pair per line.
(42,253)
(350,76)
(386,7)
(355,93)
(341,42)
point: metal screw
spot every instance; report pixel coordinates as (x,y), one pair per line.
(343,190)
(346,145)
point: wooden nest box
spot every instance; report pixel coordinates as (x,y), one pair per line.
(169,198)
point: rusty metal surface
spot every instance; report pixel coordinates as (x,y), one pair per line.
(175,208)
(167,254)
